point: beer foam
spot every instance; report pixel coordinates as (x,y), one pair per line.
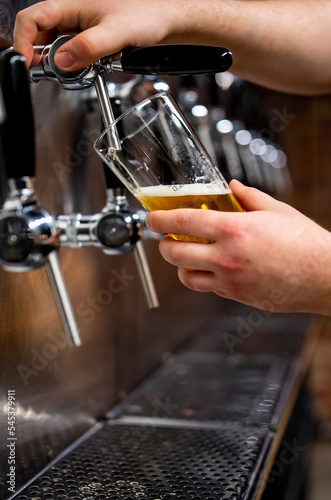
(185,190)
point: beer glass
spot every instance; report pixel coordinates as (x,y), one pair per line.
(161,161)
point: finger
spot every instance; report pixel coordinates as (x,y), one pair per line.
(47,37)
(29,22)
(198,223)
(189,255)
(43,39)
(86,47)
(253,199)
(199,281)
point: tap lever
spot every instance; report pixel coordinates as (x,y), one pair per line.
(3,178)
(145,275)
(17,128)
(106,110)
(62,300)
(153,60)
(174,60)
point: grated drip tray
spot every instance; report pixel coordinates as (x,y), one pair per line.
(135,462)
(211,388)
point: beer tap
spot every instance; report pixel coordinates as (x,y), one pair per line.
(28,235)
(117,228)
(154,60)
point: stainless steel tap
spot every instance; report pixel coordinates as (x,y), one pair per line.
(154,60)
(116,230)
(28,235)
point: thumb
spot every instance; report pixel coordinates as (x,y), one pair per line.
(253,199)
(84,48)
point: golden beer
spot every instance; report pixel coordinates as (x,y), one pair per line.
(213,196)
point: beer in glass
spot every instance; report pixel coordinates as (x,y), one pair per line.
(162,162)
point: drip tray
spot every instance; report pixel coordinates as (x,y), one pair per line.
(156,462)
(208,387)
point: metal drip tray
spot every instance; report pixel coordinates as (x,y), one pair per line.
(207,387)
(132,462)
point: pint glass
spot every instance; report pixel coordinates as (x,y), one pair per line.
(162,162)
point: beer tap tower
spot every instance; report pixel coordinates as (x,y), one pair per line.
(30,236)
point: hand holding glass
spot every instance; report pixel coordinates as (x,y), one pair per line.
(162,162)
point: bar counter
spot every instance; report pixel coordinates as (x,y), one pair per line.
(225,417)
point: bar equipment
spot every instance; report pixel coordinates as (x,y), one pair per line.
(28,234)
(44,421)
(117,228)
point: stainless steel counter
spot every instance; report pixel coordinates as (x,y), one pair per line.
(206,425)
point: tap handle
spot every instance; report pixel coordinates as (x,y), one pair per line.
(62,300)
(3,178)
(175,60)
(17,128)
(145,275)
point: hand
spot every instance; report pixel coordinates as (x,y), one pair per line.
(268,39)
(271,256)
(105,26)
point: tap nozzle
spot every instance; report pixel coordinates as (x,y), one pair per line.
(116,230)
(29,240)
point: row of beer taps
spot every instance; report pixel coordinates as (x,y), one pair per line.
(30,236)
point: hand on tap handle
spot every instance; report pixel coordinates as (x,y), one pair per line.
(274,43)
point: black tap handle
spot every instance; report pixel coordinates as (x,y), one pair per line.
(17,128)
(175,60)
(3,178)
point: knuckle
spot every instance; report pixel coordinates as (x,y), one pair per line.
(38,14)
(229,264)
(231,230)
(48,8)
(181,220)
(19,16)
(187,279)
(176,255)
(194,282)
(87,45)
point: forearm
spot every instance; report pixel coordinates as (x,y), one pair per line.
(282,44)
